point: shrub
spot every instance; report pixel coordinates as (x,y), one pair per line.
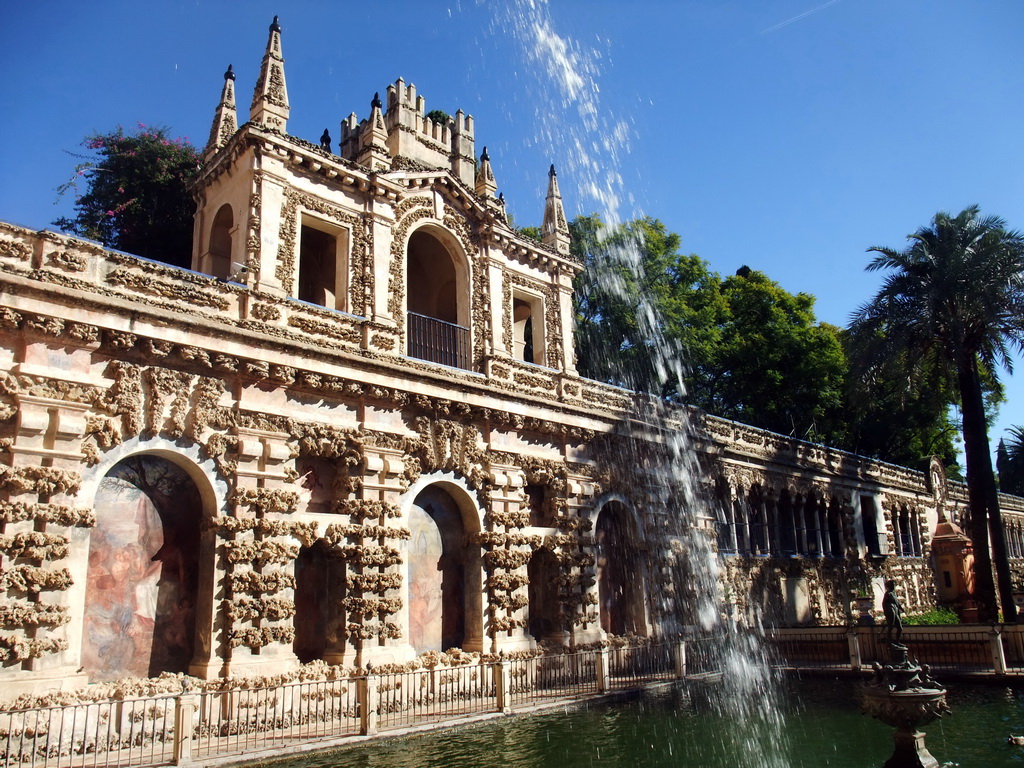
(932,618)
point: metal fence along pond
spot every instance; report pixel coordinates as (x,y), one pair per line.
(193,726)
(196,726)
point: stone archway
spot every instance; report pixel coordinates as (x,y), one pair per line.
(444,575)
(620,581)
(142,579)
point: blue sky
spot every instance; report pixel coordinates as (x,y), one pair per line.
(788,135)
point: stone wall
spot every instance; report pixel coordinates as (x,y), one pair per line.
(190,485)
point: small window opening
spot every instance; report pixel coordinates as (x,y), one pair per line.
(869,518)
(527,329)
(322,273)
(535,500)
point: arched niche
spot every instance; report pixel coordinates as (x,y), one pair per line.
(149,570)
(219,252)
(313,609)
(544,610)
(444,577)
(437,298)
(620,571)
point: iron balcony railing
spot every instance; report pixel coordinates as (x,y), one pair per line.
(438,341)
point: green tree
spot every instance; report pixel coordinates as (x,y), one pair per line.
(752,351)
(624,268)
(774,365)
(1010,462)
(953,303)
(900,413)
(136,197)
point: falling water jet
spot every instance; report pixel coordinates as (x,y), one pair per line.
(592,154)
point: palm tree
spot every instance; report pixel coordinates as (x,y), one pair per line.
(955,300)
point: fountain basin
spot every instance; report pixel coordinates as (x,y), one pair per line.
(906,711)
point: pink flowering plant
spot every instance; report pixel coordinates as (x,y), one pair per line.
(132,193)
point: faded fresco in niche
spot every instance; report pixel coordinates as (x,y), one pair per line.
(424,582)
(141,583)
(437,572)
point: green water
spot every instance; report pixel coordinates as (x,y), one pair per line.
(669,728)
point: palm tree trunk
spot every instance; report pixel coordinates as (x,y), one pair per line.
(986,520)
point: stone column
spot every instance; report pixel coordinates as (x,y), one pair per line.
(499,312)
(46,461)
(383,481)
(266,245)
(263,490)
(378,261)
(567,320)
(507,504)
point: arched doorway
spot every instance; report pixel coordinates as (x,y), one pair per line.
(142,579)
(619,572)
(437,293)
(542,572)
(444,575)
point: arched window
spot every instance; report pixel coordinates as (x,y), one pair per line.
(142,579)
(438,302)
(874,533)
(219,259)
(759,527)
(837,545)
(787,524)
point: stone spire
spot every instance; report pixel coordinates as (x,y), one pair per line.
(373,140)
(554,230)
(225,122)
(270,99)
(485,184)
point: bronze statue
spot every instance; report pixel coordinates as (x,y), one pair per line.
(892,610)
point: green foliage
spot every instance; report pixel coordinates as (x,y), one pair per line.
(136,198)
(1010,462)
(775,365)
(530,233)
(754,352)
(933,618)
(439,116)
(901,415)
(626,266)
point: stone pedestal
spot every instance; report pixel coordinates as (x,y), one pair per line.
(910,751)
(904,696)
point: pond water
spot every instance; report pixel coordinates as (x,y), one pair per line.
(669,727)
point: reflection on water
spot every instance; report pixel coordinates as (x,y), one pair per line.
(669,727)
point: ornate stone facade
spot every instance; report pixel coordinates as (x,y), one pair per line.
(354,433)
